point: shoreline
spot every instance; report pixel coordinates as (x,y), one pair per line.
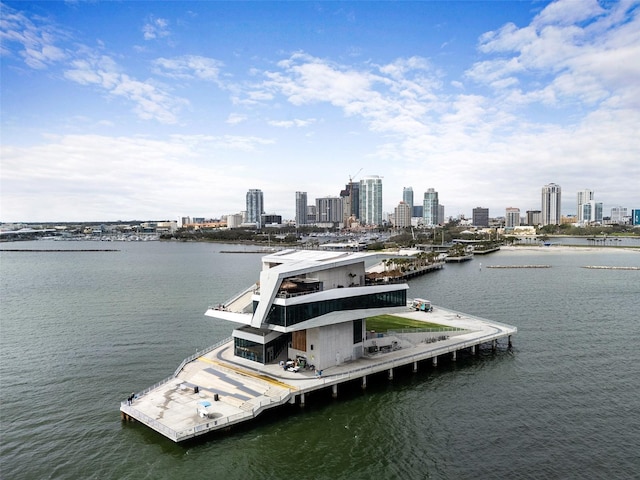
(567,248)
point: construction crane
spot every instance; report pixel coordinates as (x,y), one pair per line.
(351,177)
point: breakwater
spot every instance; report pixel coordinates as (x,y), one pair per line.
(58,250)
(518,266)
(606,267)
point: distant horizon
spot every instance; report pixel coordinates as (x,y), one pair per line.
(178,108)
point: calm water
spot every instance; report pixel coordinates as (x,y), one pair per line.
(80,331)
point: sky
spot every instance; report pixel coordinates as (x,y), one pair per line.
(159,110)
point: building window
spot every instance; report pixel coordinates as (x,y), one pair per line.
(250,350)
(357,331)
(294,314)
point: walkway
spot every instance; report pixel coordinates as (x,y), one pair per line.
(231,390)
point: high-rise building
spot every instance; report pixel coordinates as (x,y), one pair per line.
(512,217)
(591,212)
(312,214)
(371,200)
(430,207)
(350,201)
(301,208)
(583,197)
(402,215)
(407,197)
(534,217)
(329,210)
(255,206)
(480,217)
(551,204)
(618,214)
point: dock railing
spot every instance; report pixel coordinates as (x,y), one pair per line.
(200,353)
(187,360)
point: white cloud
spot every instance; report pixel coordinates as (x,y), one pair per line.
(562,105)
(236,118)
(589,53)
(37,38)
(155,28)
(291,123)
(189,67)
(120,177)
(151,101)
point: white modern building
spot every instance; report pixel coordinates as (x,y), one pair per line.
(619,215)
(371,200)
(551,204)
(310,305)
(583,196)
(591,212)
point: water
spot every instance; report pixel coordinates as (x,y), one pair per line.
(80,331)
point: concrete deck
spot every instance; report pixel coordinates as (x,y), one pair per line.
(244,389)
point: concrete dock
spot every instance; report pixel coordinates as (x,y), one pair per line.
(214,390)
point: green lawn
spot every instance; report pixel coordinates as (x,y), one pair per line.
(382,323)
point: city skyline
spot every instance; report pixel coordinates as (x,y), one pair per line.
(161,109)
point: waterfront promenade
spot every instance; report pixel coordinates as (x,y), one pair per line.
(216,390)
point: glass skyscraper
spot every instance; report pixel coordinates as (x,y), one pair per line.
(371,200)
(301,208)
(255,206)
(430,207)
(407,197)
(583,197)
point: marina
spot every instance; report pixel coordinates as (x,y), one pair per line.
(303,331)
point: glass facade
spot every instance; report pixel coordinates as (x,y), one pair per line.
(430,207)
(255,206)
(301,208)
(294,314)
(371,200)
(257,352)
(250,350)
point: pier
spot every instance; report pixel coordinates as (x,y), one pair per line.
(214,390)
(379,273)
(485,251)
(460,259)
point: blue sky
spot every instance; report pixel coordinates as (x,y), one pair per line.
(157,110)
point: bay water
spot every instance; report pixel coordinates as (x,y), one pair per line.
(80,331)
